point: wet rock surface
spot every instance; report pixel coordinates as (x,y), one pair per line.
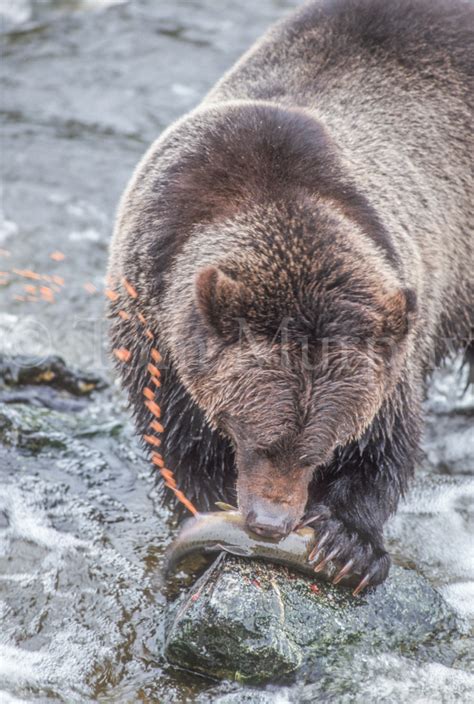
(254,623)
(86,85)
(51,371)
(41,383)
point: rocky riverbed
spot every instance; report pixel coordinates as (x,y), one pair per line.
(86,85)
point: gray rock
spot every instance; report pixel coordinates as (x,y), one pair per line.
(46,405)
(51,371)
(253,622)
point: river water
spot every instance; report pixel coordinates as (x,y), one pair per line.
(86,86)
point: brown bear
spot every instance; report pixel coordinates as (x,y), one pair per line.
(300,248)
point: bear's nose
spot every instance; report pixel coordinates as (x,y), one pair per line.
(270,523)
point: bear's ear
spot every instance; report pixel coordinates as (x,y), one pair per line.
(222,301)
(400,312)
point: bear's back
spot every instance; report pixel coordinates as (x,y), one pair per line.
(318,47)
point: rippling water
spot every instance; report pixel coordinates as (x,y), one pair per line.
(86,85)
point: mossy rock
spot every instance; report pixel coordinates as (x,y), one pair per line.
(254,622)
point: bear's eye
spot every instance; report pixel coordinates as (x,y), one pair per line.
(305,461)
(265,453)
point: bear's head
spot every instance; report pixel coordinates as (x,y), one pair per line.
(290,342)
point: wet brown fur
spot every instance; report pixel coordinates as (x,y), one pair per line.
(301,246)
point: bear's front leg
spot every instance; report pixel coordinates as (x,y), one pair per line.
(355,495)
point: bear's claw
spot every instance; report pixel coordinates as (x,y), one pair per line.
(319,567)
(311,519)
(362,584)
(343,572)
(358,556)
(323,540)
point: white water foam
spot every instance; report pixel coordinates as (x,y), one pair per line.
(401,680)
(26,522)
(73,599)
(460,596)
(8,228)
(6,698)
(447,391)
(15,11)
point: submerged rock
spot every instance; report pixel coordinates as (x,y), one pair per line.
(46,404)
(51,371)
(252,622)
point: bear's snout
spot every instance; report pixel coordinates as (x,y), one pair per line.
(269,519)
(272,501)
